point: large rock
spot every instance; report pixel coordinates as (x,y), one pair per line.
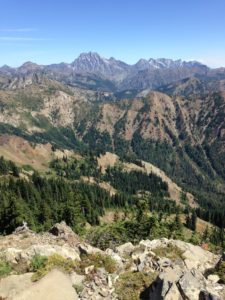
(65,232)
(193,285)
(194,256)
(11,255)
(13,285)
(213,278)
(54,286)
(164,283)
(61,229)
(116,257)
(125,249)
(178,284)
(150,245)
(47,250)
(88,249)
(173,293)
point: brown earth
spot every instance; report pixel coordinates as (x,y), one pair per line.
(23,152)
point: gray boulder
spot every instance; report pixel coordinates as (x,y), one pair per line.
(125,249)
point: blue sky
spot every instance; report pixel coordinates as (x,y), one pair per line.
(51,31)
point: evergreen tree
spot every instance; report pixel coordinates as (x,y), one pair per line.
(193,220)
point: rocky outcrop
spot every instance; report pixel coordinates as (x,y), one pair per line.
(16,254)
(192,256)
(66,233)
(22,229)
(181,275)
(179,269)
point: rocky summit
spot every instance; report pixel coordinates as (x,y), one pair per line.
(60,265)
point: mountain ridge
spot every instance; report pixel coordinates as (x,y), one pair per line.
(120,75)
(88,56)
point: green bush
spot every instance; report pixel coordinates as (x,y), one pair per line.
(5,268)
(107,236)
(221,271)
(78,288)
(54,261)
(38,262)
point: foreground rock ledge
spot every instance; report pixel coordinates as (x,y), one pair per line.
(55,285)
(179,268)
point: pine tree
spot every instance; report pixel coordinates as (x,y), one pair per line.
(193,220)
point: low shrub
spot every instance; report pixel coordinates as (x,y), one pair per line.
(5,268)
(38,262)
(98,260)
(218,270)
(107,236)
(54,261)
(170,251)
(78,288)
(131,285)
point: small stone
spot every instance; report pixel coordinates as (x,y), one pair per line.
(89,269)
(88,249)
(109,281)
(213,278)
(97,282)
(103,293)
(125,249)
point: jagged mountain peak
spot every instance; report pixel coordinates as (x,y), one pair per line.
(88,56)
(92,62)
(164,63)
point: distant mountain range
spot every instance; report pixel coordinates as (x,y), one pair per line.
(169,113)
(93,71)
